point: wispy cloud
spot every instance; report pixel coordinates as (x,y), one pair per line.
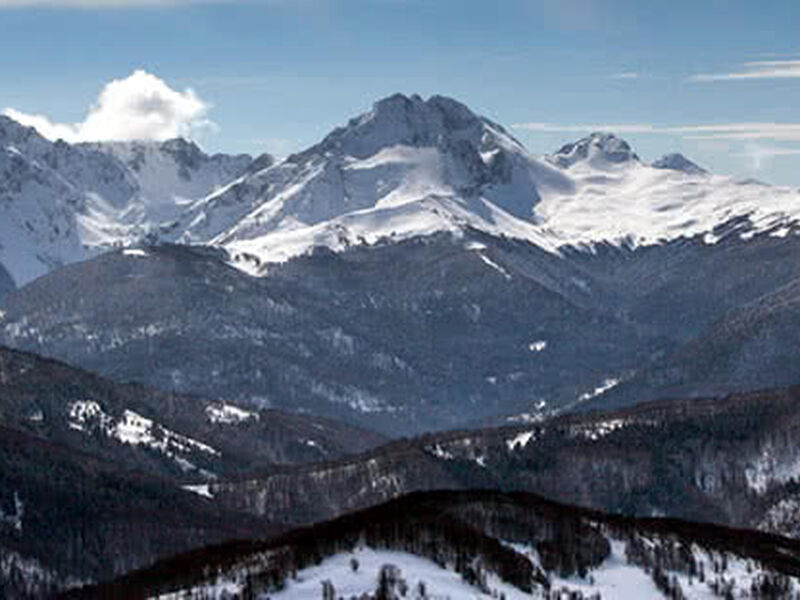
(727,131)
(761,69)
(139,107)
(280,147)
(303,5)
(96,4)
(625,75)
(616,127)
(789,132)
(759,155)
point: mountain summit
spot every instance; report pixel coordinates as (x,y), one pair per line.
(598,149)
(407,167)
(412,121)
(678,162)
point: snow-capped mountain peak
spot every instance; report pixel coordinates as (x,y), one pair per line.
(598,150)
(401,120)
(61,203)
(406,167)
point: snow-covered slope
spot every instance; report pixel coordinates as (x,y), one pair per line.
(408,167)
(39,204)
(62,203)
(414,167)
(615,197)
(479,545)
(169,176)
(617,578)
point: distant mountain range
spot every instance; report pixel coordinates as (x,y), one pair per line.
(242,337)
(417,269)
(408,167)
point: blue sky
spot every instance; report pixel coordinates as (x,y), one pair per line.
(717,80)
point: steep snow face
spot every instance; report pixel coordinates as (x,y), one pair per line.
(414,167)
(169,176)
(62,203)
(408,167)
(39,228)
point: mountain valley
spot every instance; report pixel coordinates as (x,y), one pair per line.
(520,376)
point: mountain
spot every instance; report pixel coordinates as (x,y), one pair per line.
(415,257)
(599,150)
(412,167)
(728,460)
(169,176)
(752,345)
(408,167)
(401,337)
(100,478)
(678,162)
(64,203)
(430,333)
(185,437)
(481,545)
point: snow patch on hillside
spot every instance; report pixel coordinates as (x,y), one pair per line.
(228,414)
(133,429)
(601,389)
(203,490)
(521,440)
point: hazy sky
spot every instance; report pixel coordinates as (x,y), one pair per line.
(718,80)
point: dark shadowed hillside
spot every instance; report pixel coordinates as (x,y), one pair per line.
(488,540)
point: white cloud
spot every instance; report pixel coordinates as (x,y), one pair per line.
(139,107)
(762,69)
(727,131)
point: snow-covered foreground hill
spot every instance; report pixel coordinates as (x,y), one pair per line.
(617,578)
(481,545)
